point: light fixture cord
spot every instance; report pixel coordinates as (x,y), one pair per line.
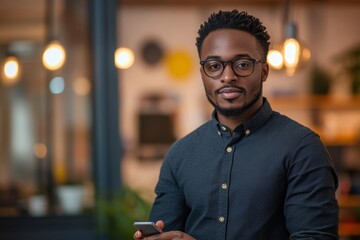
(49,20)
(289,26)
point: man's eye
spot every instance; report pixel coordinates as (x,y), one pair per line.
(213,66)
(243,64)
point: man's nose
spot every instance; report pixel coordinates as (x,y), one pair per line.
(228,75)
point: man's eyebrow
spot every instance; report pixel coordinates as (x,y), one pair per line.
(216,57)
(212,57)
(242,55)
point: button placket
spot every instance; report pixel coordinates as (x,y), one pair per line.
(224,184)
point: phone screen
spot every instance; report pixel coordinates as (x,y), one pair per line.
(147,228)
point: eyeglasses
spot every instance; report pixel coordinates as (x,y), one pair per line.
(242,67)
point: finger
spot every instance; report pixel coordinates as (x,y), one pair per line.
(160,224)
(137,235)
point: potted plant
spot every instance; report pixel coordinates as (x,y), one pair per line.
(350,65)
(121,212)
(320,81)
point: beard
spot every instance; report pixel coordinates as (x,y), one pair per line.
(236,111)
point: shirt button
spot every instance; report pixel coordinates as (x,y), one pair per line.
(219,132)
(224,186)
(221,219)
(247,132)
(229,149)
(223,128)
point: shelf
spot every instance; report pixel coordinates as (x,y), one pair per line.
(348,102)
(349,229)
(345,138)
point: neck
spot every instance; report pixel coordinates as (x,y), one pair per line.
(233,121)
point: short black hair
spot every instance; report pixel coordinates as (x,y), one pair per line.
(235,20)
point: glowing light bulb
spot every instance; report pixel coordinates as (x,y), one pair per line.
(291,54)
(296,55)
(124,58)
(275,59)
(10,70)
(54,56)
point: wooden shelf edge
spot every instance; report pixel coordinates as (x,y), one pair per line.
(349,229)
(330,102)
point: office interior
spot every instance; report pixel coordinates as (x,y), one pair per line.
(100,128)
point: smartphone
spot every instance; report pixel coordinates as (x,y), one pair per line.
(147,228)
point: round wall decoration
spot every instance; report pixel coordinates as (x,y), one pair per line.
(152,52)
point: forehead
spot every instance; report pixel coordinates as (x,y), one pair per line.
(226,43)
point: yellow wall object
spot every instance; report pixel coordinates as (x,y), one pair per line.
(179,64)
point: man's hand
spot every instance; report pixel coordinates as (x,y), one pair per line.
(172,235)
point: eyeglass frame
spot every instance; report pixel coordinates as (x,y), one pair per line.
(254,60)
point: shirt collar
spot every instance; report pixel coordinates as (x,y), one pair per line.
(251,124)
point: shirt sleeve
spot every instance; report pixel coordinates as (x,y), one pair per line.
(311,208)
(169,205)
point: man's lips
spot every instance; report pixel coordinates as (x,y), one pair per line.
(230,92)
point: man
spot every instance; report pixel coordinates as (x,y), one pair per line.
(249,173)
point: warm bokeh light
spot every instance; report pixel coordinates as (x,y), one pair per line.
(124,58)
(40,150)
(10,70)
(81,86)
(291,56)
(275,59)
(57,85)
(54,56)
(306,54)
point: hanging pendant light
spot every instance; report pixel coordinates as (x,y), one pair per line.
(54,55)
(292,54)
(295,52)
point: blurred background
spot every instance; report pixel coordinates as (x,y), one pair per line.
(93,93)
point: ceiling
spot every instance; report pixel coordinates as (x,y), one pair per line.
(25,19)
(21,19)
(222,2)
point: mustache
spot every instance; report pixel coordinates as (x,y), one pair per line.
(228,87)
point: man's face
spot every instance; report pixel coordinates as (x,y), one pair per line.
(232,95)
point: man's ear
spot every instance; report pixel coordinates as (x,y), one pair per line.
(265,70)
